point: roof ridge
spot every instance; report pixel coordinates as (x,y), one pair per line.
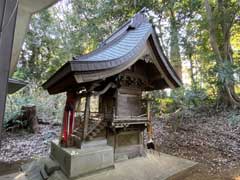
(132,23)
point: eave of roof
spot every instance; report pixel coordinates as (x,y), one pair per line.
(163,59)
(14,85)
(121,47)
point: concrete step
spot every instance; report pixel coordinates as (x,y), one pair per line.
(32,169)
(94,143)
(50,166)
(90,138)
(43,174)
(76,140)
(93,134)
(93,128)
(78,133)
(97,130)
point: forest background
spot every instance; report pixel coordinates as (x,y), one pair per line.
(200,37)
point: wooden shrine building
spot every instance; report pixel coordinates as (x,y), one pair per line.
(126,64)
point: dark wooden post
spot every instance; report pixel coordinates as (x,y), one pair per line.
(86,116)
(149,127)
(8,13)
(150,144)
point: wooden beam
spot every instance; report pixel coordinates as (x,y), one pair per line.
(86,116)
(149,126)
(8,13)
(150,144)
(104,90)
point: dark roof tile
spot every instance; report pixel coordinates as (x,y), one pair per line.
(119,49)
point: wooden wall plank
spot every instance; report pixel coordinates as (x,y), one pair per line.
(129,105)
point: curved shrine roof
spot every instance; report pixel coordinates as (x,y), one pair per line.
(114,55)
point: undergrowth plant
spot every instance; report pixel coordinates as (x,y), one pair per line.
(49,107)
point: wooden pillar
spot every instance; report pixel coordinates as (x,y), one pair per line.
(77,121)
(78,106)
(149,126)
(68,119)
(8,13)
(86,116)
(150,144)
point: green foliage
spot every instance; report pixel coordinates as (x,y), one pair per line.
(42,51)
(195,97)
(186,97)
(181,98)
(12,116)
(166,105)
(49,108)
(225,72)
(75,27)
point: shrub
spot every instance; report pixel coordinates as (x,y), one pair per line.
(49,107)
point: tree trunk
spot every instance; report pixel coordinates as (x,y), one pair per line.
(29,115)
(193,82)
(174,45)
(26,120)
(222,50)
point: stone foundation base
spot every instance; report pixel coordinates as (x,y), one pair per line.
(127,144)
(78,162)
(128,152)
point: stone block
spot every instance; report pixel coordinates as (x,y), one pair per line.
(76,162)
(50,166)
(44,174)
(129,152)
(94,143)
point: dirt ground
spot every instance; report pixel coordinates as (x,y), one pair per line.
(201,172)
(22,147)
(207,136)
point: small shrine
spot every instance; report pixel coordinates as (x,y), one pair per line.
(105,116)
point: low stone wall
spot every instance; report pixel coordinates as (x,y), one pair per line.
(76,162)
(127,144)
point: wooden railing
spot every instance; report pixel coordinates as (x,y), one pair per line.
(118,121)
(93,116)
(125,121)
(95,119)
(129,118)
